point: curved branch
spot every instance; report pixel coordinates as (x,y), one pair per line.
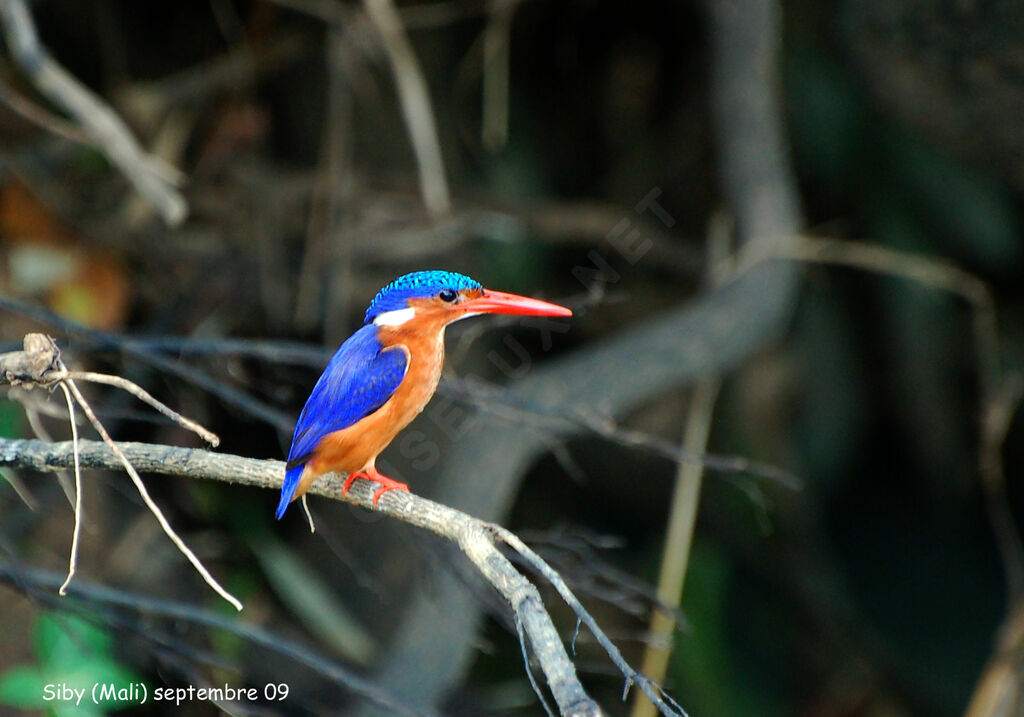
(473,536)
(706,337)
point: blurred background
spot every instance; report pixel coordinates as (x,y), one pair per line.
(624,159)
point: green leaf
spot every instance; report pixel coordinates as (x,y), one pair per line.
(77,654)
(86,709)
(67,640)
(22,686)
(10,419)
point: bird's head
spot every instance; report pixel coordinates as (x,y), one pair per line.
(441,297)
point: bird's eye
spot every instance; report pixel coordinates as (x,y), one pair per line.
(448,295)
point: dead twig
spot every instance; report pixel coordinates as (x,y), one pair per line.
(73,560)
(140,393)
(150,503)
(227,393)
(32,411)
(679,536)
(40,364)
(474,537)
(666,705)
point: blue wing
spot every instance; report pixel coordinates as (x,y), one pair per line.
(359,379)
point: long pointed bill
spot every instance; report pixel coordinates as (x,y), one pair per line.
(498,302)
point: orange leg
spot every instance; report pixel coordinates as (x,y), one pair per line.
(386,484)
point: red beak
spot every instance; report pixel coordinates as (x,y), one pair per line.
(498,302)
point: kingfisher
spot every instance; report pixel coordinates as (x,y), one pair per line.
(384,374)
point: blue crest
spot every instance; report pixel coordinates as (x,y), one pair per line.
(418,285)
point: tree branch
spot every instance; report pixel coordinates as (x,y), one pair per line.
(88,598)
(153,178)
(474,537)
(708,336)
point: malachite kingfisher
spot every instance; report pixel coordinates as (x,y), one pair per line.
(383,376)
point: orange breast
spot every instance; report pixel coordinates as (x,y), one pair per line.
(356,447)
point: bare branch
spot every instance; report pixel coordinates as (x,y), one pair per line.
(40,364)
(309,516)
(150,503)
(40,432)
(140,393)
(87,597)
(73,560)
(652,690)
(473,536)
(221,389)
(153,178)
(679,535)
(414,97)
(35,364)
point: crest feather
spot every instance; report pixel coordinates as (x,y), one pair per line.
(417,285)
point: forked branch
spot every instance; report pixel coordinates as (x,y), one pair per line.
(474,537)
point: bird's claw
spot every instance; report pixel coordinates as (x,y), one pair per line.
(385,484)
(395,485)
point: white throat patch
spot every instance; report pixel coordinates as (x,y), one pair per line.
(394,318)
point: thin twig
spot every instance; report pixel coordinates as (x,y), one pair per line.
(529,670)
(649,688)
(593,576)
(40,432)
(679,537)
(73,561)
(473,536)
(150,503)
(140,393)
(37,582)
(229,394)
(414,98)
(996,393)
(29,110)
(499,402)
(309,516)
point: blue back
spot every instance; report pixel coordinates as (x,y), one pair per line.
(419,284)
(359,379)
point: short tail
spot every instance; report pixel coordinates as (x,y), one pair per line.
(291,482)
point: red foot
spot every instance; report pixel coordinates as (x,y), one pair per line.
(386,484)
(352,479)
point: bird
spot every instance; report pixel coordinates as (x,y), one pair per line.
(384,374)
